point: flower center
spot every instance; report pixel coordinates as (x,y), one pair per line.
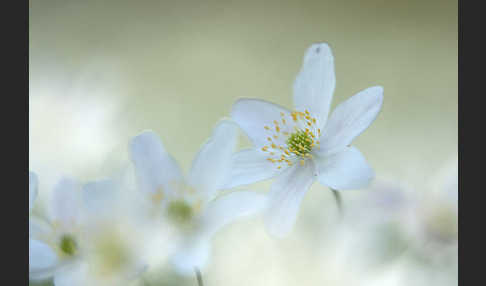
(292,139)
(300,143)
(68,245)
(110,254)
(179,211)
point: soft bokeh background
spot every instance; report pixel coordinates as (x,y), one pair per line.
(103,71)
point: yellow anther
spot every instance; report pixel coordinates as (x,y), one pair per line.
(275,136)
(266,127)
(283,121)
(302,162)
(275,122)
(274,146)
(282,114)
(269,139)
(265,148)
(307,112)
(277,128)
(314,120)
(279,167)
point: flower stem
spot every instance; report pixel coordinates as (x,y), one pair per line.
(198,276)
(339,201)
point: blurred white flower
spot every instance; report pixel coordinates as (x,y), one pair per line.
(394,222)
(55,244)
(192,204)
(79,245)
(301,146)
(437,211)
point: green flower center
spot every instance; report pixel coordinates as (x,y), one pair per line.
(68,245)
(300,143)
(180,212)
(300,133)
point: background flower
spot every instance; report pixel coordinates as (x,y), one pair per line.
(84,239)
(193,205)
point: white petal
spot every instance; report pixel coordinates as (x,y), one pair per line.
(42,260)
(99,197)
(155,168)
(286,194)
(252,115)
(75,274)
(210,167)
(344,170)
(314,85)
(350,119)
(249,166)
(38,227)
(229,208)
(194,252)
(33,183)
(65,202)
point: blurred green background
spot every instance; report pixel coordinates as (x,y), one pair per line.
(100,72)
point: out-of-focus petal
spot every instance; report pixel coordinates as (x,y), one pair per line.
(75,274)
(42,260)
(315,83)
(155,169)
(99,196)
(65,203)
(192,253)
(38,227)
(211,166)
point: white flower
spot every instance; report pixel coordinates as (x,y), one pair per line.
(79,245)
(303,145)
(53,244)
(192,203)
